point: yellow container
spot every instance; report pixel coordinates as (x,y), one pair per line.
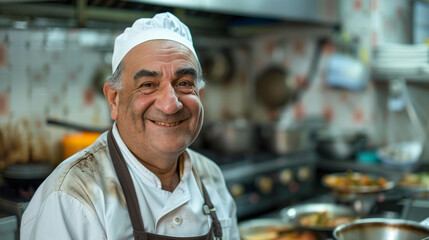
(73,143)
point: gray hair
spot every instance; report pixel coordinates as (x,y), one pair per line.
(115,80)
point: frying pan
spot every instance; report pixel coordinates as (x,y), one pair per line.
(271,88)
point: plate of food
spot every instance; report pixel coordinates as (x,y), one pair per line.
(273,229)
(356,183)
(418,181)
(318,216)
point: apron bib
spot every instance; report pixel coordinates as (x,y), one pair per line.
(134,209)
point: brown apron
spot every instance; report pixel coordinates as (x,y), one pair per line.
(134,209)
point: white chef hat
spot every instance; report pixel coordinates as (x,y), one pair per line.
(164,26)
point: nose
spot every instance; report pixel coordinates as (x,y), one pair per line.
(167,101)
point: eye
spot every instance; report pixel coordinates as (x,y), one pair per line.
(185,86)
(147,85)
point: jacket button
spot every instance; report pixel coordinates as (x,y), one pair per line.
(177,221)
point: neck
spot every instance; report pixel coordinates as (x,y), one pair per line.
(166,170)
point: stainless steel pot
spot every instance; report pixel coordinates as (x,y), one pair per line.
(230,137)
(381,229)
(290,140)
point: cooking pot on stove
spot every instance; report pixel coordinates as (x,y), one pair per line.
(382,228)
(336,146)
(230,137)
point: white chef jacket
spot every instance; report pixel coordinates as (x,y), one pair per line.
(82,199)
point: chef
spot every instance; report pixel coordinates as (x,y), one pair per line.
(139,180)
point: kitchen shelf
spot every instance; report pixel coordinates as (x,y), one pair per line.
(422,78)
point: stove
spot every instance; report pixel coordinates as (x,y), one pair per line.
(262,183)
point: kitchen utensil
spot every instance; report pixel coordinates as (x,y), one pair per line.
(271,88)
(334,146)
(218,65)
(24,178)
(362,198)
(270,229)
(380,229)
(74,142)
(294,214)
(402,155)
(354,187)
(75,126)
(346,72)
(290,140)
(230,137)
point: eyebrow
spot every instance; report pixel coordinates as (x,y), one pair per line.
(179,73)
(186,71)
(145,73)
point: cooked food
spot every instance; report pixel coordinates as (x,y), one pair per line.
(350,181)
(323,220)
(274,234)
(415,180)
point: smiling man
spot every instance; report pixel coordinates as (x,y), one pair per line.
(140,180)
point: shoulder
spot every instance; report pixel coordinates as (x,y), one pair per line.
(81,175)
(207,169)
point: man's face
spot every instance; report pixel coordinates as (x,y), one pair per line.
(158,109)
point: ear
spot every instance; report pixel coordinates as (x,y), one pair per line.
(112,96)
(200,92)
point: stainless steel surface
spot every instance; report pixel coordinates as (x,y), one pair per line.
(290,140)
(303,10)
(9,227)
(380,229)
(260,225)
(27,171)
(294,213)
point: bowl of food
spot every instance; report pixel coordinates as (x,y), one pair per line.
(402,154)
(273,229)
(318,216)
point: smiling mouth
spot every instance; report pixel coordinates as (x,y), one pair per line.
(167,124)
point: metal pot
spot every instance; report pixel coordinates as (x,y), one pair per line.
(230,137)
(339,147)
(290,140)
(380,229)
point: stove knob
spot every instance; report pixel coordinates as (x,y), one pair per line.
(265,185)
(304,173)
(286,176)
(237,190)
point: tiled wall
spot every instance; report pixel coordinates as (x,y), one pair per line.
(49,73)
